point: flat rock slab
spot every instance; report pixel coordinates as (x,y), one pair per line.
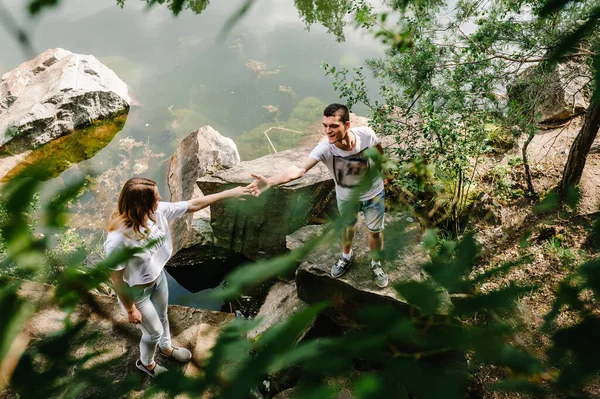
(257,227)
(357,287)
(280,303)
(196,329)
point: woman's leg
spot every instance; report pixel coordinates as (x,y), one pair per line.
(151,327)
(160,299)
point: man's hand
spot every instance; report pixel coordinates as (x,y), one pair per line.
(135,317)
(259,185)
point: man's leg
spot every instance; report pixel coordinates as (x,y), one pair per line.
(347,237)
(376,244)
(348,213)
(374,213)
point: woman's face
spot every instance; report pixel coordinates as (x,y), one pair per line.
(157,196)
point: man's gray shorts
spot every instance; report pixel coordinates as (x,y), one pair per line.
(373,209)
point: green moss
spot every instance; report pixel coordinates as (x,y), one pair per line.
(53,158)
(184,121)
(254,144)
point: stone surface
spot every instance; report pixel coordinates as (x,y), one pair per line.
(281,302)
(342,385)
(357,286)
(195,329)
(56,93)
(56,110)
(202,152)
(257,227)
(564,92)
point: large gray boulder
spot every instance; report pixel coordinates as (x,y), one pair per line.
(257,227)
(555,96)
(202,152)
(56,93)
(56,110)
(357,287)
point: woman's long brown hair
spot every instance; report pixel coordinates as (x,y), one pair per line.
(137,202)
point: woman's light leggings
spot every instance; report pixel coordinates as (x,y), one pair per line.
(152,302)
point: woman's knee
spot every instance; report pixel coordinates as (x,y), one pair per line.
(153,335)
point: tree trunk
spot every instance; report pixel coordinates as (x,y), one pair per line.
(530,187)
(580,148)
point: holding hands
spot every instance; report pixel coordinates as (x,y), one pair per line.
(259,185)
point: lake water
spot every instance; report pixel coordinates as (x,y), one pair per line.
(183,74)
(184,77)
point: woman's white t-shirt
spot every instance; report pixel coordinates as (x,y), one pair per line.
(145,266)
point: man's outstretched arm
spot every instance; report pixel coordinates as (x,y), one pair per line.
(262,184)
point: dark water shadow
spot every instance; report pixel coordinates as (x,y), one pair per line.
(195,273)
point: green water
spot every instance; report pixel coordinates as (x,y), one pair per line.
(183,75)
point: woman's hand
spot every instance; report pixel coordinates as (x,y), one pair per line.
(239,191)
(135,316)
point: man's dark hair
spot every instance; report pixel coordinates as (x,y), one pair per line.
(339,110)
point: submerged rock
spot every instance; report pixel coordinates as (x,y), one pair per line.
(202,152)
(257,227)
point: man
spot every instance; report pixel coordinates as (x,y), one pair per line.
(357,187)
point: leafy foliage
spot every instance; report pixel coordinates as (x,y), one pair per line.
(438,100)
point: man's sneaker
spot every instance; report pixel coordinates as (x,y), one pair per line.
(158,369)
(341,266)
(381,277)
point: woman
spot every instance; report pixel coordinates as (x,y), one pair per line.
(141,221)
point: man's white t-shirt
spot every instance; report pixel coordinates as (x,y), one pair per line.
(145,267)
(349,168)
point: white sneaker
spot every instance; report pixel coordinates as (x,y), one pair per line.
(381,277)
(152,373)
(180,354)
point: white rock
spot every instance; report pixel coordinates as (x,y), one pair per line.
(54,94)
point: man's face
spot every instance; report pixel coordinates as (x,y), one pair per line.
(334,128)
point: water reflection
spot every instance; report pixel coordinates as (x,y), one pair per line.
(53,158)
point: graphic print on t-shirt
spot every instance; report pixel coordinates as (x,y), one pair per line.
(350,171)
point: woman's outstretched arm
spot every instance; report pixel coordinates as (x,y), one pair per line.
(196,204)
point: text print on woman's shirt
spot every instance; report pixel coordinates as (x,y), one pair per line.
(157,236)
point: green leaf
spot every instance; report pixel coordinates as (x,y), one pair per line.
(235,18)
(424,295)
(36,6)
(252,274)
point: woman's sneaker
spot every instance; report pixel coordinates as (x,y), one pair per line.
(381,277)
(180,354)
(341,266)
(152,373)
